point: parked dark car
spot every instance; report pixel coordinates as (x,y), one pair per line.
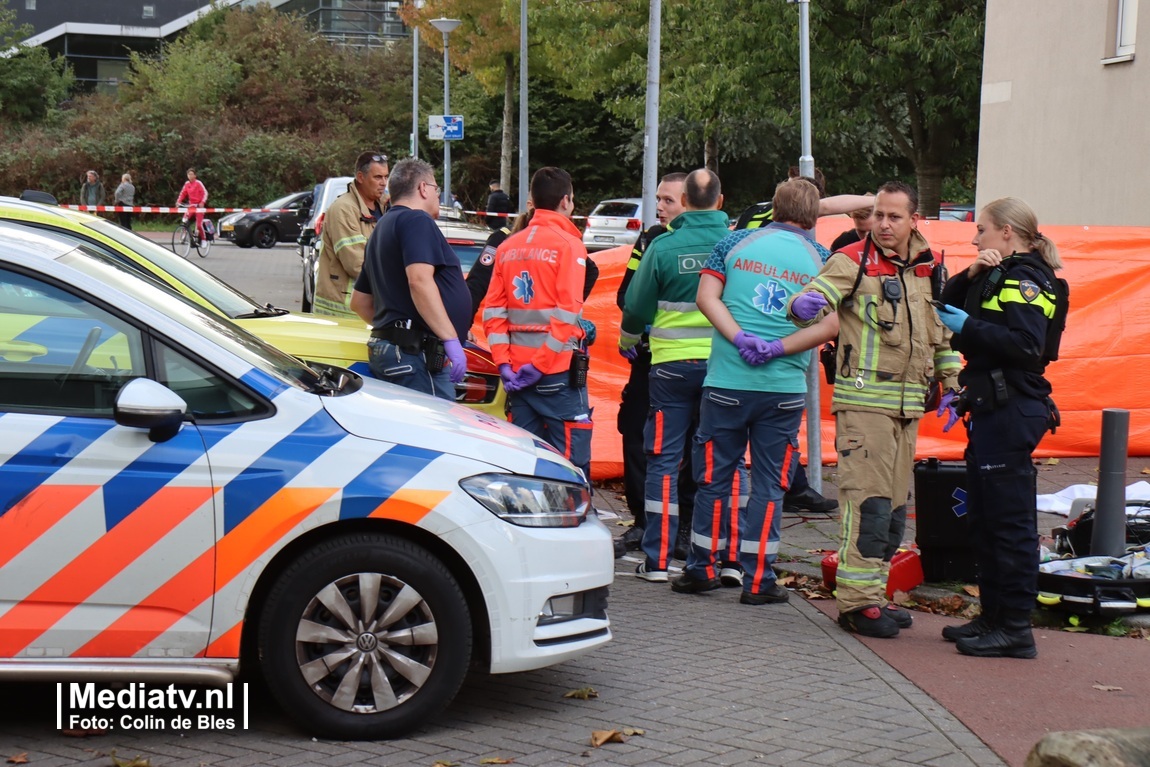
(265,229)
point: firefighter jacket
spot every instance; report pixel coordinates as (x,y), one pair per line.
(534,301)
(891,342)
(347,225)
(662,292)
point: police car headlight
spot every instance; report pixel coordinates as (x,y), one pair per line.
(530,501)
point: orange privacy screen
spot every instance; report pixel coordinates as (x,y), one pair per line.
(1104,360)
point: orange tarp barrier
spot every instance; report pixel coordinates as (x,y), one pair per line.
(1104,356)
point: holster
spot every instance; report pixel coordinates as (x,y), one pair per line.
(986,391)
(827,359)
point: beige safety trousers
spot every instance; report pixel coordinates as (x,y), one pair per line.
(876,458)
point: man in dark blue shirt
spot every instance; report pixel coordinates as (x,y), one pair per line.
(411,290)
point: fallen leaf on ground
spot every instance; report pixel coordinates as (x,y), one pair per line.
(583,693)
(1145,471)
(1106,687)
(599,737)
(1051,462)
(444,763)
(633,731)
(496,760)
(137,762)
(972,590)
(19,758)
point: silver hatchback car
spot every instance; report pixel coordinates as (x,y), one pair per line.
(614,222)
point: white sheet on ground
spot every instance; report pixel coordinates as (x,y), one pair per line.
(1059,503)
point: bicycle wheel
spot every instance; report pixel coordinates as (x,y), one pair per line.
(203,245)
(181,241)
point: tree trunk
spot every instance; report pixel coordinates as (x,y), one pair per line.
(929,188)
(711,154)
(507,148)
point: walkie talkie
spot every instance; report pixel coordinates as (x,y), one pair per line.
(938,277)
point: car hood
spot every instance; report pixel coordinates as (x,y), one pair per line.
(335,341)
(391,413)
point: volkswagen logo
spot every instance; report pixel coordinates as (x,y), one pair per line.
(366,642)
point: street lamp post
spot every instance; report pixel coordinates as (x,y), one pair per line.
(524,181)
(807,168)
(446,26)
(415,85)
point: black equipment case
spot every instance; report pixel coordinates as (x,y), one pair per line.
(942,529)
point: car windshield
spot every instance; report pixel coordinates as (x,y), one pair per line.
(232,338)
(282,202)
(626,209)
(218,294)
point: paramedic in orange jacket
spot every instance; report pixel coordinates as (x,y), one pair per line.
(531,318)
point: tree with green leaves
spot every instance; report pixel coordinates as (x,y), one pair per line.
(486,47)
(32,83)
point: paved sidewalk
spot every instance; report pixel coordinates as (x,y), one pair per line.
(707,680)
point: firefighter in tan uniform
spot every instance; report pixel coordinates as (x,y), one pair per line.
(347,226)
(891,346)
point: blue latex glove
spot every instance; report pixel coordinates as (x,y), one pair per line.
(507,374)
(527,376)
(457,359)
(808,304)
(946,406)
(953,317)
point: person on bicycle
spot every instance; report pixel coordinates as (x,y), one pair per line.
(196,195)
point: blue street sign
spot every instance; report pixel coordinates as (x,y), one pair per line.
(445,127)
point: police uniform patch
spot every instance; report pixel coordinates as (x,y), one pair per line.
(487,257)
(1029,290)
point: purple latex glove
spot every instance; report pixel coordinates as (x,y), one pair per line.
(807,305)
(457,358)
(751,347)
(507,374)
(946,406)
(527,376)
(630,353)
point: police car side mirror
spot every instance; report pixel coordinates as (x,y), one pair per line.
(144,404)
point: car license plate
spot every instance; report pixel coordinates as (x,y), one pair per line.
(604,238)
(226,228)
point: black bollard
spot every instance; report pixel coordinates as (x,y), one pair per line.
(1109,535)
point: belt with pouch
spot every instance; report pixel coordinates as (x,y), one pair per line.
(410,340)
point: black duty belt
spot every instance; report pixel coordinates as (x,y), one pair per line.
(405,338)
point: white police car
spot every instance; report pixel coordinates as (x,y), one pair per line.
(177,498)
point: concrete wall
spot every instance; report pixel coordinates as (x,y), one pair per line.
(1060,129)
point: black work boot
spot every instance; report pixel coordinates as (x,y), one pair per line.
(808,500)
(983,624)
(1010,638)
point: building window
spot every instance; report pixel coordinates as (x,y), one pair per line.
(149,11)
(1127,26)
(29,5)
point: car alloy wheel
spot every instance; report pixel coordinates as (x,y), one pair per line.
(365,636)
(264,236)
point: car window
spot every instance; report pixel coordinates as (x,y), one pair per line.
(232,338)
(61,353)
(285,201)
(214,292)
(626,209)
(208,395)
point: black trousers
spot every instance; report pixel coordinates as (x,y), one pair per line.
(126,220)
(1001,501)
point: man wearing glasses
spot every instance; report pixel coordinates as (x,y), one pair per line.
(348,224)
(411,290)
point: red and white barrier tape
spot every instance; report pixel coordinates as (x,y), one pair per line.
(169,209)
(174,209)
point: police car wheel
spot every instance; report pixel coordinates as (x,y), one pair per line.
(365,637)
